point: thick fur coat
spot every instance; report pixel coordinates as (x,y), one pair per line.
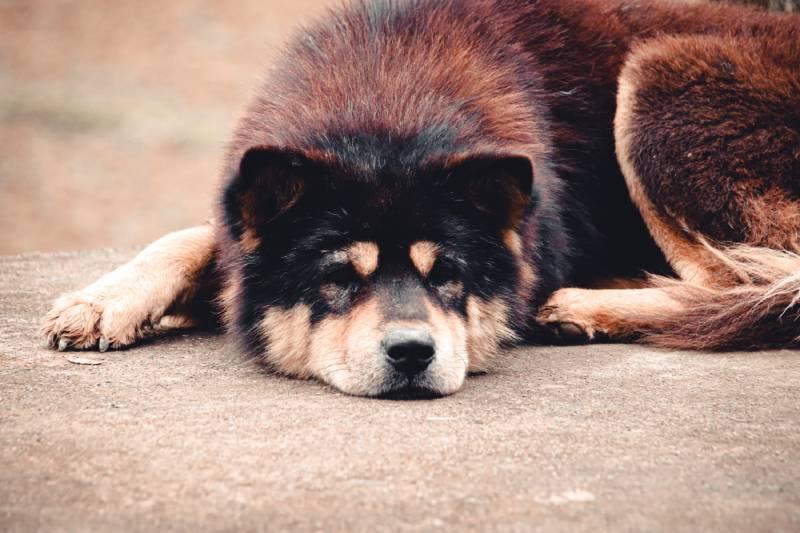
(420,183)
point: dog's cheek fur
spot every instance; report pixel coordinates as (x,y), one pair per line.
(228,299)
(526,275)
(286,334)
(489,329)
(449,368)
(344,350)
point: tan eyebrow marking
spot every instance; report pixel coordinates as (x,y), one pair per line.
(363,255)
(423,255)
(513,242)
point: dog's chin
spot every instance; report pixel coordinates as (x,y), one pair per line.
(400,387)
(389,384)
(410,392)
(403,389)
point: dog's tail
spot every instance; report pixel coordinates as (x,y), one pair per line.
(760,310)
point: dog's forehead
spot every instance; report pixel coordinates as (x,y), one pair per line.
(377,153)
(388,216)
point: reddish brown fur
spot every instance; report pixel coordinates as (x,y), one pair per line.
(738,96)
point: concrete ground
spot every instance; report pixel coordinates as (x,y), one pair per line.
(180,434)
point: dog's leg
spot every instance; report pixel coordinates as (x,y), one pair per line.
(707,138)
(116,310)
(611,309)
(580,315)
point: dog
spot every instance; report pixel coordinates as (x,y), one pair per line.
(421,184)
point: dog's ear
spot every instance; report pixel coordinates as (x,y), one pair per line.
(499,185)
(266,185)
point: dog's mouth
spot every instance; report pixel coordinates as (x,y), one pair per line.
(403,387)
(410,392)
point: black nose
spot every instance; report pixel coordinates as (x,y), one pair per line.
(409,350)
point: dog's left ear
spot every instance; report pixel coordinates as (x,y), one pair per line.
(499,185)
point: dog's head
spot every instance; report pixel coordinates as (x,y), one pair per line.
(381,211)
(398,285)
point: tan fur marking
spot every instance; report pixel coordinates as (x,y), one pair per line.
(249,240)
(363,256)
(423,256)
(527,276)
(288,336)
(115,310)
(228,297)
(449,331)
(617,313)
(344,350)
(774,221)
(620,283)
(450,324)
(513,242)
(176,322)
(487,330)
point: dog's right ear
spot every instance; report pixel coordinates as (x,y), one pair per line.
(267,184)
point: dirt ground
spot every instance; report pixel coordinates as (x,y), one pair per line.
(180,434)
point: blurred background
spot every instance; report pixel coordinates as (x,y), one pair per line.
(114,114)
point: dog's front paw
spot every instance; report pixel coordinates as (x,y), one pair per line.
(83,321)
(570,318)
(568,332)
(564,330)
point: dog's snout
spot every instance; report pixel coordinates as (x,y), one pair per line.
(409,350)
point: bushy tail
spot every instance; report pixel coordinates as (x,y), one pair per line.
(760,310)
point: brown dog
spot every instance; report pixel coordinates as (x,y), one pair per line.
(422,183)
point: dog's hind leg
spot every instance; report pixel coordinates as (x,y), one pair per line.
(161,287)
(708,138)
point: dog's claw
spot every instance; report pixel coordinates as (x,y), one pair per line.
(103,344)
(567,332)
(571,333)
(63,344)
